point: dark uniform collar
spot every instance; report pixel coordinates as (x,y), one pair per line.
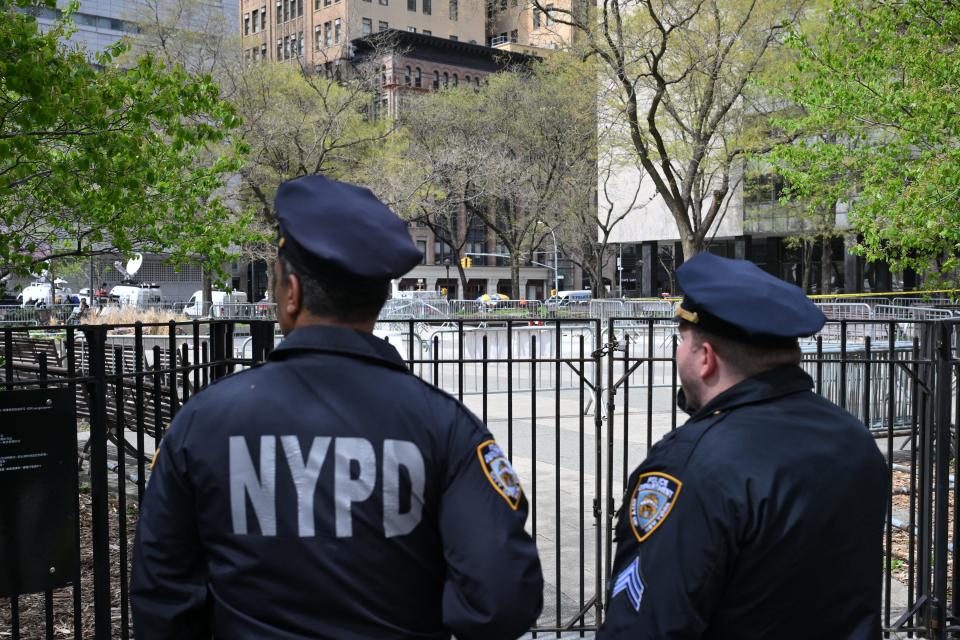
(759,388)
(338,340)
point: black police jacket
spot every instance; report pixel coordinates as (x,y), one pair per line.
(329,493)
(761,516)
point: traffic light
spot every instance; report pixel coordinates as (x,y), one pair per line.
(466,262)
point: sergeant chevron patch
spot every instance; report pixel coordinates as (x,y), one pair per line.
(629,581)
(652,500)
(499,472)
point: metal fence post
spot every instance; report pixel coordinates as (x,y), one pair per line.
(96,336)
(261,334)
(942,359)
(218,349)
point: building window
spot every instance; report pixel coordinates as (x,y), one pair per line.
(367,26)
(406,76)
(412,29)
(263,51)
(279,49)
(476,82)
(263,18)
(417,78)
(383,26)
(536,18)
(286,11)
(514,36)
(246,56)
(280,12)
(549,15)
(246,24)
(446,79)
(317,38)
(336,31)
(256,20)
(427,32)
(490,9)
(454,9)
(466,79)
(385,2)
(327,34)
(300,46)
(456,80)
(436,79)
(411,5)
(326,3)
(427,7)
(299,8)
(454,38)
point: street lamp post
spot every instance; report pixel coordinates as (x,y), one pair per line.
(556,257)
(446,263)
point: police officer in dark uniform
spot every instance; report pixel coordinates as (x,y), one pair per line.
(329,493)
(762,516)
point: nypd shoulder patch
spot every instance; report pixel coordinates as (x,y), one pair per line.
(629,582)
(651,502)
(499,472)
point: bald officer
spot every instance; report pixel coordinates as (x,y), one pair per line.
(329,493)
(764,512)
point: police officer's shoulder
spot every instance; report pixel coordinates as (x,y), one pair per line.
(230,390)
(457,426)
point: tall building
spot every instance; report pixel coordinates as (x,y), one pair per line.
(100,23)
(515,25)
(319,32)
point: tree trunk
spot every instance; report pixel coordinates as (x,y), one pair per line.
(269,293)
(596,276)
(691,246)
(514,276)
(826,264)
(806,264)
(207,292)
(463,282)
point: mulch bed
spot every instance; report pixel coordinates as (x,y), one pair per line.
(32,614)
(900,550)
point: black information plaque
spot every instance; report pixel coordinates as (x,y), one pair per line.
(38,490)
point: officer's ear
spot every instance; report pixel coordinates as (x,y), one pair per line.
(293,298)
(709,362)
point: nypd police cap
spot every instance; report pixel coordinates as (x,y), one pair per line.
(326,225)
(738,300)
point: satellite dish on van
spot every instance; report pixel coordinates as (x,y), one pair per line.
(134,264)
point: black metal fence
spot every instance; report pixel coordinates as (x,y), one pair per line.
(576,403)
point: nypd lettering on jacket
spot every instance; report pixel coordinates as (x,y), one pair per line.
(356,470)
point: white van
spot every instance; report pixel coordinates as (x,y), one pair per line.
(564,298)
(221,303)
(38,292)
(136,294)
